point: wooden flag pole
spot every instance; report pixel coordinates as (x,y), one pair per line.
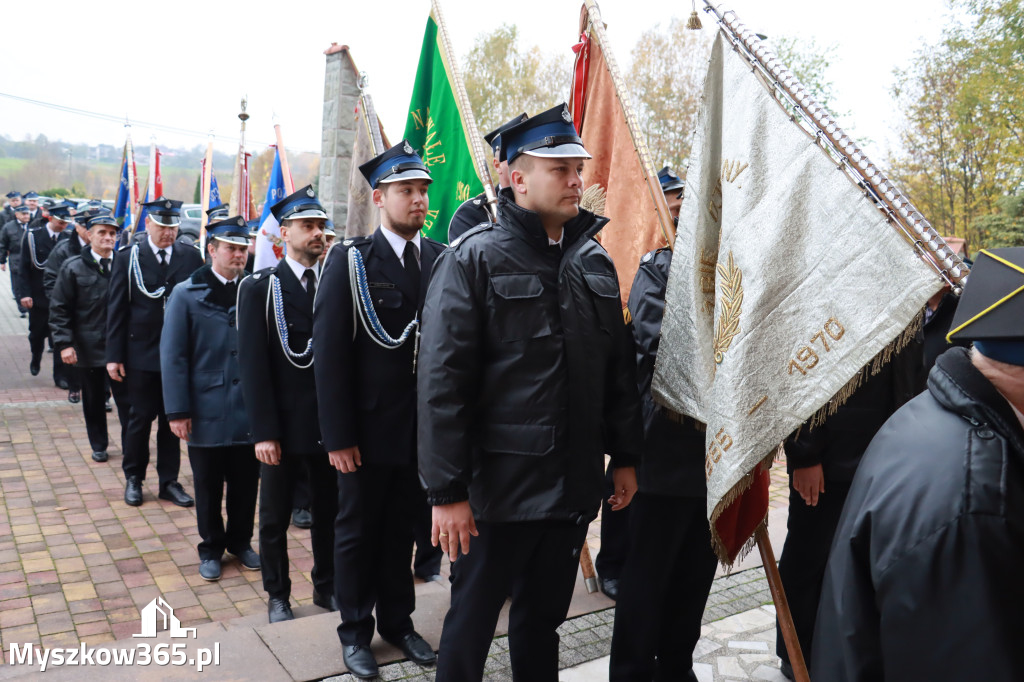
(476,146)
(285,170)
(785,616)
(235,205)
(207,180)
(587,564)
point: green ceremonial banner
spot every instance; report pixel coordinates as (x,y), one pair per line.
(436,129)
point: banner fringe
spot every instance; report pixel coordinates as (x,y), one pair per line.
(737,491)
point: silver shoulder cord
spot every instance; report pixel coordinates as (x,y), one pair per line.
(274,298)
(363,311)
(32,251)
(135,270)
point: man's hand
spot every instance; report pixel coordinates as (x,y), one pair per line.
(269,452)
(346,461)
(182,428)
(69,356)
(451,527)
(624,487)
(809,482)
(26,302)
(116,371)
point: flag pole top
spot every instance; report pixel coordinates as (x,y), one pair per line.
(244,116)
(364,81)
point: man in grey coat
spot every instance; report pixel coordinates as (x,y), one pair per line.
(203,397)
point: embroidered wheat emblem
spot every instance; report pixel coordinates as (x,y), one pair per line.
(731,288)
(593,199)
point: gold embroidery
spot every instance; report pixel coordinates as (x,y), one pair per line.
(731,278)
(593,199)
(757,405)
(806,357)
(732,169)
(720,444)
(715,204)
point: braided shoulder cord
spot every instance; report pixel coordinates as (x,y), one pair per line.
(32,251)
(362,304)
(135,270)
(276,300)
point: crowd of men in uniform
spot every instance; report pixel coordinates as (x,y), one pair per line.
(462,401)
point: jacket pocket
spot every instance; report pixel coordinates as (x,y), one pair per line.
(518,439)
(209,392)
(606,299)
(390,299)
(519,312)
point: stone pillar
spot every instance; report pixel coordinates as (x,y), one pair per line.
(341,92)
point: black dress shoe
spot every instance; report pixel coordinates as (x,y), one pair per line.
(176,494)
(209,569)
(329,602)
(279,610)
(786,669)
(360,661)
(133,492)
(74,396)
(99,456)
(249,559)
(610,587)
(302,518)
(61,384)
(416,649)
(108,407)
(33,368)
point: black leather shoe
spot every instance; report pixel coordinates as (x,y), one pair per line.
(108,407)
(99,456)
(279,610)
(61,384)
(74,396)
(610,587)
(176,494)
(302,518)
(33,368)
(329,602)
(786,669)
(416,649)
(209,569)
(133,492)
(360,661)
(249,559)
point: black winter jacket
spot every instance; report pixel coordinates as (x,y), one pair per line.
(78,310)
(527,372)
(68,247)
(923,581)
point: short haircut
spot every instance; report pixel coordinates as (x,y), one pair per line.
(522,163)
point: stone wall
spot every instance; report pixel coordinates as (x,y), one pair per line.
(341,92)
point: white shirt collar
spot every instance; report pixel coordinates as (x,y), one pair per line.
(300,270)
(223,280)
(98,257)
(81,242)
(157,249)
(552,242)
(398,242)
(53,235)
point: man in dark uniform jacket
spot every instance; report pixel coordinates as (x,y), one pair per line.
(140,283)
(527,378)
(78,322)
(474,211)
(13,202)
(669,564)
(366,391)
(12,234)
(37,217)
(924,582)
(615,527)
(203,398)
(275,325)
(36,246)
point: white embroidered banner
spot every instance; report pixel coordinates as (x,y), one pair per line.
(786,280)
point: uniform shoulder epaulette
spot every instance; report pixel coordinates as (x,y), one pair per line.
(124,248)
(482,227)
(433,241)
(651,255)
(265,273)
(356,241)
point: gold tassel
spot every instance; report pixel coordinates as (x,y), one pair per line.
(693,23)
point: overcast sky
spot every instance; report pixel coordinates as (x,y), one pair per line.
(186,64)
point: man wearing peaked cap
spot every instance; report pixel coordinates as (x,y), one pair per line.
(13,202)
(275,324)
(36,217)
(217,213)
(12,234)
(366,391)
(931,538)
(474,211)
(36,245)
(140,283)
(527,379)
(203,398)
(78,315)
(672,185)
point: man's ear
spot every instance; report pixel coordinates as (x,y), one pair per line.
(378,198)
(517,180)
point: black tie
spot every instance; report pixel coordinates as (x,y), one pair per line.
(163,265)
(310,279)
(104,266)
(412,265)
(53,238)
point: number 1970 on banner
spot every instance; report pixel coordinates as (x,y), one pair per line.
(806,356)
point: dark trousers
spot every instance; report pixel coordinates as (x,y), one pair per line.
(10,269)
(804,555)
(303,497)
(427,560)
(663,589)
(93,381)
(535,561)
(146,399)
(39,332)
(277,494)
(614,534)
(236,468)
(373,536)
